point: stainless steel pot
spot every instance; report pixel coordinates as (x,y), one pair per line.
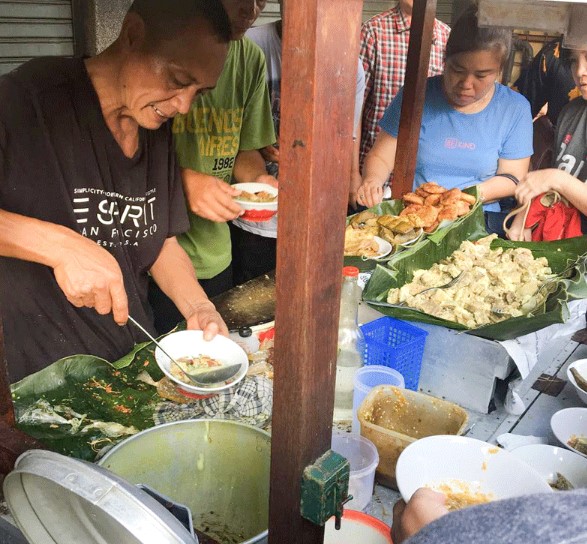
(217,468)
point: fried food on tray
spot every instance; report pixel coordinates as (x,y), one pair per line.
(449,204)
(360,242)
(494,285)
(413,198)
(468,198)
(432,200)
(427,214)
(448,213)
(364,219)
(359,239)
(432,187)
(400,224)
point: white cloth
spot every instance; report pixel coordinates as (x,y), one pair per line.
(525,350)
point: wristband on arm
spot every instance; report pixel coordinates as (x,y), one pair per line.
(511,177)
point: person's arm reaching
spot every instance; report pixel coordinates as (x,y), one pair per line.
(497,187)
(424,507)
(378,165)
(210,197)
(249,166)
(174,274)
(553,179)
(87,274)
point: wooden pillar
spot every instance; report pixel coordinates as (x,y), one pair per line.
(320,57)
(421,34)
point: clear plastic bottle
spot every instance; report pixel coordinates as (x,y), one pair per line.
(351,345)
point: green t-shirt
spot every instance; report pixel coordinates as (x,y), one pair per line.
(235,116)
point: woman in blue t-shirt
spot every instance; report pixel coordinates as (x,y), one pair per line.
(474,130)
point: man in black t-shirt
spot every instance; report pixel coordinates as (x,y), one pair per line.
(548,80)
(90,195)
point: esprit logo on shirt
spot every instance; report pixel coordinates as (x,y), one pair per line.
(455,143)
(114,219)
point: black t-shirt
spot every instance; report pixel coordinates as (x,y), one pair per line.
(548,79)
(60,163)
(570,149)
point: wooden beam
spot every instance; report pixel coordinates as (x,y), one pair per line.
(552,17)
(421,35)
(320,57)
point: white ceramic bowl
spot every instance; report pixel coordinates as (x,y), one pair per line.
(581,366)
(256,211)
(548,460)
(459,460)
(567,423)
(191,344)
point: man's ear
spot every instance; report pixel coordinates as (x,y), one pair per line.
(133,31)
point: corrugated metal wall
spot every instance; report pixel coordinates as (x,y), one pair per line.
(370,8)
(33,29)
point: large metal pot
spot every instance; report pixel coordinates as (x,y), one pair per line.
(219,469)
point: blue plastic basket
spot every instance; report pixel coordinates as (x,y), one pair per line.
(396,344)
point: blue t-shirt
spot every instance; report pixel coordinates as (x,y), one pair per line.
(462,149)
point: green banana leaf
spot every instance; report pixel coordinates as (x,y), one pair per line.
(468,227)
(82,405)
(567,259)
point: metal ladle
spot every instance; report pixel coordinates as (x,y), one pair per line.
(202,378)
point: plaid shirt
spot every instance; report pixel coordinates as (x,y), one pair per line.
(384,50)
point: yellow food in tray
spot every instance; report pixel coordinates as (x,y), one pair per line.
(360,233)
(360,243)
(493,285)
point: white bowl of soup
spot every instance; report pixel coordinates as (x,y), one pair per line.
(189,347)
(258,200)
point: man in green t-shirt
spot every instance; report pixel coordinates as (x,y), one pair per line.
(216,142)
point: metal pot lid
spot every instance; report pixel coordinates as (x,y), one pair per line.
(56,499)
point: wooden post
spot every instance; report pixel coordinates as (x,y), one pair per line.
(320,57)
(421,34)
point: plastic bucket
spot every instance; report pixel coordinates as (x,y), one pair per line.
(363,458)
(368,377)
(219,469)
(357,527)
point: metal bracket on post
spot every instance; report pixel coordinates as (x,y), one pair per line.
(325,487)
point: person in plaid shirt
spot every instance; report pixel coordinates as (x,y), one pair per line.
(384,50)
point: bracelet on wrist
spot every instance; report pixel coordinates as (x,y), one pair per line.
(511,177)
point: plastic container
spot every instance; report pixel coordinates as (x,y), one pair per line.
(368,377)
(393,418)
(396,344)
(363,458)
